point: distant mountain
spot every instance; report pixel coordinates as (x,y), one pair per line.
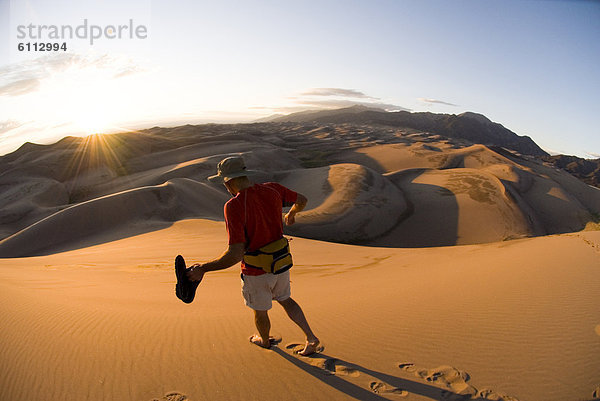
(586,170)
(473,127)
(268,118)
(319,115)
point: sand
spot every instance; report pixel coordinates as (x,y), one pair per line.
(366,186)
(431,270)
(515,318)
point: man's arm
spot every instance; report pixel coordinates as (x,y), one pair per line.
(233,255)
(290,217)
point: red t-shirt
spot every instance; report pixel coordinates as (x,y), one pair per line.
(253,217)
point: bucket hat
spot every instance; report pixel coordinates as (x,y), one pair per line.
(229,168)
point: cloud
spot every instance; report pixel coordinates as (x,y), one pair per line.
(341,92)
(21,78)
(338,103)
(435,101)
(593,155)
(128,70)
(7,125)
(9,130)
(328,104)
(12,133)
(20,87)
(332,98)
(26,77)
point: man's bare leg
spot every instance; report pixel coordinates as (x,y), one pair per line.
(294,311)
(263,325)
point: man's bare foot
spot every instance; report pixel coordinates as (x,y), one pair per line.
(311,347)
(257,339)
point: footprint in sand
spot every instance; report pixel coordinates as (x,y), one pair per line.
(330,366)
(409,367)
(172,396)
(488,394)
(296,348)
(454,383)
(450,378)
(383,388)
(336,367)
(450,396)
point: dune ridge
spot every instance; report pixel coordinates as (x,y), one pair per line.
(124,213)
(90,227)
(383,186)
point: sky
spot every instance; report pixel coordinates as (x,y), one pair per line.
(530,65)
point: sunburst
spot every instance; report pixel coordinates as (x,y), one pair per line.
(94,154)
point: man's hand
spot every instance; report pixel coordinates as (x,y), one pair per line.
(233,255)
(290,218)
(196,272)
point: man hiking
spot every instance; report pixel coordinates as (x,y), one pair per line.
(255,229)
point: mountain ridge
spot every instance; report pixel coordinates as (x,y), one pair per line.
(471,126)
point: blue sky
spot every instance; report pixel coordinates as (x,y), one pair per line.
(531,65)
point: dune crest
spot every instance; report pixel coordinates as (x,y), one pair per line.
(353,203)
(115,216)
(373,185)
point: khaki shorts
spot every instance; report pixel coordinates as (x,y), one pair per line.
(260,291)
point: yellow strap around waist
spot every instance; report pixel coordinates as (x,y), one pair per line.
(274,257)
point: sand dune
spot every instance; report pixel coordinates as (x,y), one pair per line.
(386,187)
(115,216)
(348,203)
(498,196)
(502,317)
(25,200)
(460,206)
(503,321)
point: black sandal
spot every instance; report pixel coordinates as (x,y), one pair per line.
(185,289)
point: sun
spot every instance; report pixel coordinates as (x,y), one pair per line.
(90,123)
(85,99)
(89,101)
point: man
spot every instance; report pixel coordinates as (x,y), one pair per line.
(253,220)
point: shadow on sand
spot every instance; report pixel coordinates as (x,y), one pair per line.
(431,218)
(376,386)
